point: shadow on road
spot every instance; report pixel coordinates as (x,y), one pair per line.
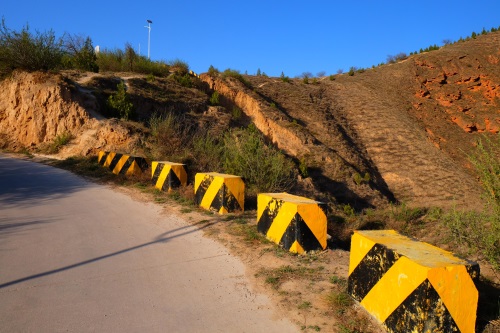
(10,226)
(162,238)
(23,182)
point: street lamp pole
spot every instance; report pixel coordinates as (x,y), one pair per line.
(149,35)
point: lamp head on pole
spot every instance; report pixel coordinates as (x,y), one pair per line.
(149,21)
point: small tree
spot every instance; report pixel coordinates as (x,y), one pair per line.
(81,53)
(23,50)
(284,78)
(447,41)
(213,72)
(120,102)
(258,72)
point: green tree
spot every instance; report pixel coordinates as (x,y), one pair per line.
(81,53)
(120,102)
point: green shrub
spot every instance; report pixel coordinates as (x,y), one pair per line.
(120,103)
(179,67)
(479,231)
(58,142)
(262,166)
(486,160)
(118,61)
(236,113)
(360,180)
(23,50)
(303,167)
(171,136)
(214,99)
(403,213)
(207,151)
(236,74)
(183,80)
(352,70)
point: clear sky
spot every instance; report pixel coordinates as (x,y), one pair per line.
(274,35)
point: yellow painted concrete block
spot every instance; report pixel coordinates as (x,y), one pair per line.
(412,286)
(296,223)
(122,164)
(168,175)
(220,192)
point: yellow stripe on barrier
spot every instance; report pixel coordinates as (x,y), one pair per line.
(412,286)
(296,223)
(220,192)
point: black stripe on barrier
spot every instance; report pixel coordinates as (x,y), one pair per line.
(126,165)
(171,181)
(202,189)
(370,270)
(422,306)
(268,216)
(229,201)
(103,158)
(142,163)
(299,231)
(157,173)
(114,162)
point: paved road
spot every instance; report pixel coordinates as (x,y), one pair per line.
(80,257)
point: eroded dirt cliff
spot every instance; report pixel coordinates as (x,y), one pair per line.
(35,108)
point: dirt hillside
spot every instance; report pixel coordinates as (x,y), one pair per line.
(399,132)
(409,125)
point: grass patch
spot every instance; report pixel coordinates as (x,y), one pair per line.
(304,305)
(58,142)
(85,166)
(277,276)
(339,300)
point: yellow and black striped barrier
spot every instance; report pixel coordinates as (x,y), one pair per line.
(412,286)
(296,223)
(193,74)
(122,164)
(220,192)
(167,175)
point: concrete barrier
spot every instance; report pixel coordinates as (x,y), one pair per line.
(168,175)
(296,223)
(220,192)
(122,164)
(193,74)
(411,286)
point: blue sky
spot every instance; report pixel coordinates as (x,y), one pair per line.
(274,35)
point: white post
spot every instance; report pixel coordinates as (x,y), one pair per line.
(149,36)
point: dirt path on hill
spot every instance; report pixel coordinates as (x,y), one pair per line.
(413,168)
